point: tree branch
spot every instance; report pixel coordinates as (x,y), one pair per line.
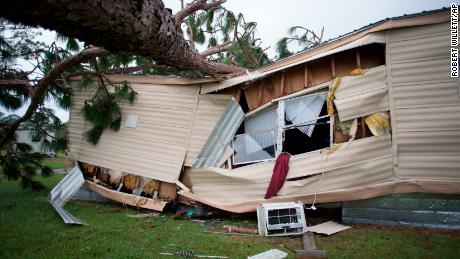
(40,89)
(217,49)
(18,83)
(144,28)
(193,7)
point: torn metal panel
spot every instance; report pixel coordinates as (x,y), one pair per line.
(64,191)
(221,135)
(361,95)
(209,110)
(357,163)
(358,193)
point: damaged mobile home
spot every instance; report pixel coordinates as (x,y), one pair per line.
(371,113)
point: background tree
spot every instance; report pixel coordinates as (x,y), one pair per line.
(305,38)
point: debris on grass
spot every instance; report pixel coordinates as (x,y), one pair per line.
(235,229)
(191,254)
(144,215)
(270,254)
(328,228)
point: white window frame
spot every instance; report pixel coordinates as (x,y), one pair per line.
(280,107)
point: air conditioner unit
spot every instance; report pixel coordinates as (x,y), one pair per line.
(281,219)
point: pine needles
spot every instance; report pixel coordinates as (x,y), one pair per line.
(103,110)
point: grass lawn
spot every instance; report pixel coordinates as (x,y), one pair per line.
(30,228)
(57,162)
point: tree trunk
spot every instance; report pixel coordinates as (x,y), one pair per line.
(141,27)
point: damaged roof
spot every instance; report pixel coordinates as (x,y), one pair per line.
(368,34)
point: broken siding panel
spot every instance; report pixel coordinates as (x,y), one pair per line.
(361,95)
(221,135)
(348,164)
(210,108)
(427,111)
(156,147)
(367,173)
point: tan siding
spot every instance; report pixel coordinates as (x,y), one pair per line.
(361,95)
(210,108)
(156,147)
(359,163)
(426,103)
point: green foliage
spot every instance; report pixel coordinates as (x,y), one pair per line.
(71,44)
(281,48)
(304,37)
(103,110)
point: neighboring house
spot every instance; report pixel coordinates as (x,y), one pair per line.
(395,126)
(35,141)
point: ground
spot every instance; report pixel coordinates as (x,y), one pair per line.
(30,228)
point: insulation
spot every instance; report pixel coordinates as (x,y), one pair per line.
(378,123)
(358,96)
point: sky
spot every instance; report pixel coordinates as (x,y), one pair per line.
(274,17)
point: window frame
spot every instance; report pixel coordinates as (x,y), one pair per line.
(279,131)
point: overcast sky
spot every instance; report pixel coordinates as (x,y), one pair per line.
(338,17)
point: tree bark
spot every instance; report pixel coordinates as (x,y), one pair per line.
(217,49)
(141,27)
(40,89)
(191,8)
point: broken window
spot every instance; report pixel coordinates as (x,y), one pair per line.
(305,127)
(258,143)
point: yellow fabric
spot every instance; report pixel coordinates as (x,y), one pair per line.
(378,123)
(330,96)
(357,72)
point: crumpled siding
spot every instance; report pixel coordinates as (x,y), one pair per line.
(210,108)
(362,95)
(426,103)
(221,135)
(358,163)
(63,192)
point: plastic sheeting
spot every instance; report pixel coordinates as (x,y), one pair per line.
(258,142)
(305,110)
(254,147)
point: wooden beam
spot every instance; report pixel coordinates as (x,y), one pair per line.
(126,198)
(333,66)
(308,241)
(283,82)
(307,76)
(358,59)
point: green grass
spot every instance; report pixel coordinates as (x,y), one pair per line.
(30,228)
(55,163)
